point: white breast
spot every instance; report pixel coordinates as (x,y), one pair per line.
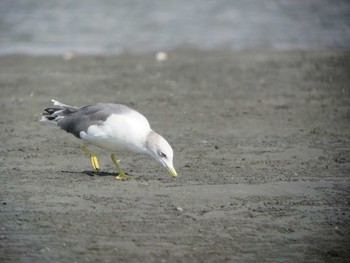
(119,132)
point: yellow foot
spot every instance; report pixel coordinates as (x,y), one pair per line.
(123,176)
(93,158)
(94,163)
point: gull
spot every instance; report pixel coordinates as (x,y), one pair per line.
(114,127)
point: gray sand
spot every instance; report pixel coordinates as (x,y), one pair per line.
(261,146)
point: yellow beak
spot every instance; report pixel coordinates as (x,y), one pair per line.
(172,171)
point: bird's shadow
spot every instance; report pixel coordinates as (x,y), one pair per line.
(92,173)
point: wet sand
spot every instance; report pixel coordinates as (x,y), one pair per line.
(262,149)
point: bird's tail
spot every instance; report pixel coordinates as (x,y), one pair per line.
(58,112)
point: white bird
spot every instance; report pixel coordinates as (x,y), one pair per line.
(114,127)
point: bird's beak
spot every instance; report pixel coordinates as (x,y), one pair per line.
(172,171)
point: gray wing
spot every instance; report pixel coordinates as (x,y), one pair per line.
(84,117)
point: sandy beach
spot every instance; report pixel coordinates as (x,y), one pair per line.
(262,150)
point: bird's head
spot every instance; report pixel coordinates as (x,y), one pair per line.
(160,149)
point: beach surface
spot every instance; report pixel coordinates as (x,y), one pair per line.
(262,150)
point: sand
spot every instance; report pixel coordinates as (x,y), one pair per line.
(262,149)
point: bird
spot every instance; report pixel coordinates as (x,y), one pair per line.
(113,127)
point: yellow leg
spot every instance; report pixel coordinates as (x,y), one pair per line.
(93,157)
(121,174)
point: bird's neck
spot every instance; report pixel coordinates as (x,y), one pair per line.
(149,142)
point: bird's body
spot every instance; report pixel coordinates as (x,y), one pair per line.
(114,127)
(113,135)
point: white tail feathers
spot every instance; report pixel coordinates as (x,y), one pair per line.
(45,119)
(60,104)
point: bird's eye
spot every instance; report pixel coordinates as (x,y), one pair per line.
(162,154)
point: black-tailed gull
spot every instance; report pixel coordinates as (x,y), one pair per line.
(114,127)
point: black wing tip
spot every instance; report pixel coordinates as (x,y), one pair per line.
(50,118)
(51,110)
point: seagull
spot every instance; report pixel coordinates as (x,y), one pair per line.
(114,127)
